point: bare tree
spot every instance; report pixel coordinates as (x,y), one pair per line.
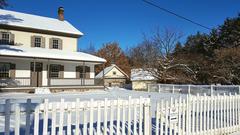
(155,52)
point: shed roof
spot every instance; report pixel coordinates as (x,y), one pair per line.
(108,69)
(140,74)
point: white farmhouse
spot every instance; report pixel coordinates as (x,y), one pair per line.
(141,78)
(113,76)
(38,51)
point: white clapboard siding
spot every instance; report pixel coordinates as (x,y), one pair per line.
(199,115)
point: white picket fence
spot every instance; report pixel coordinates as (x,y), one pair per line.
(198,115)
(194,115)
(119,116)
(194,89)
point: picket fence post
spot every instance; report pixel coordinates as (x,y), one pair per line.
(77,116)
(189,89)
(159,88)
(17,119)
(105,115)
(147,117)
(7,116)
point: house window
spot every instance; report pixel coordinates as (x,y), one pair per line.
(37,42)
(55,44)
(114,73)
(5,38)
(83,72)
(4,70)
(55,71)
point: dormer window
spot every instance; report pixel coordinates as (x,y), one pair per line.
(114,73)
(55,43)
(37,42)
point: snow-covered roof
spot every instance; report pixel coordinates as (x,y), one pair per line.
(43,53)
(108,69)
(140,74)
(24,20)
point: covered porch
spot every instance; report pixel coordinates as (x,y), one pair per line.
(44,70)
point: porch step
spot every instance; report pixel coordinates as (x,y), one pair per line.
(42,90)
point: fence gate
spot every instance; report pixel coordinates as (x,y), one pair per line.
(201,115)
(170,117)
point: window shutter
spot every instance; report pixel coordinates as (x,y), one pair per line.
(60,44)
(1,38)
(87,70)
(61,71)
(32,41)
(51,43)
(43,42)
(77,72)
(0,35)
(12,37)
(12,70)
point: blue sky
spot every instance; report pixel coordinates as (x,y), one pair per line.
(124,21)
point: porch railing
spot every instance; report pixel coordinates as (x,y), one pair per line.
(26,82)
(15,82)
(75,82)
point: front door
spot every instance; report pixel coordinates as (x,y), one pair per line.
(36,74)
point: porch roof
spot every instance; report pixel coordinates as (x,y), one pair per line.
(43,53)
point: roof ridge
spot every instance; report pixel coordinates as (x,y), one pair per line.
(18,12)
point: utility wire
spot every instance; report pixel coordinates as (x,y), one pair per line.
(177,15)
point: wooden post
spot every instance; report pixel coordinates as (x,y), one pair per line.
(173,89)
(211,90)
(189,89)
(28,114)
(147,124)
(7,116)
(69,119)
(129,115)
(159,88)
(84,73)
(105,116)
(45,117)
(91,117)
(61,117)
(98,118)
(48,73)
(238,89)
(17,119)
(36,120)
(103,77)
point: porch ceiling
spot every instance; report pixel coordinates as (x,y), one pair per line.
(43,53)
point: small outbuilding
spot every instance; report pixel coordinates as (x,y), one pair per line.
(141,78)
(113,76)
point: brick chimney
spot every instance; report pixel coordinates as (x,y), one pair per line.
(61,13)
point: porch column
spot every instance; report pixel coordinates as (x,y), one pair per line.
(48,73)
(84,74)
(103,75)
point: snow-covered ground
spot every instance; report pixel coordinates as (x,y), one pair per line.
(110,93)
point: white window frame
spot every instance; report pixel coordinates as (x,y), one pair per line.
(54,71)
(55,44)
(37,43)
(5,38)
(5,70)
